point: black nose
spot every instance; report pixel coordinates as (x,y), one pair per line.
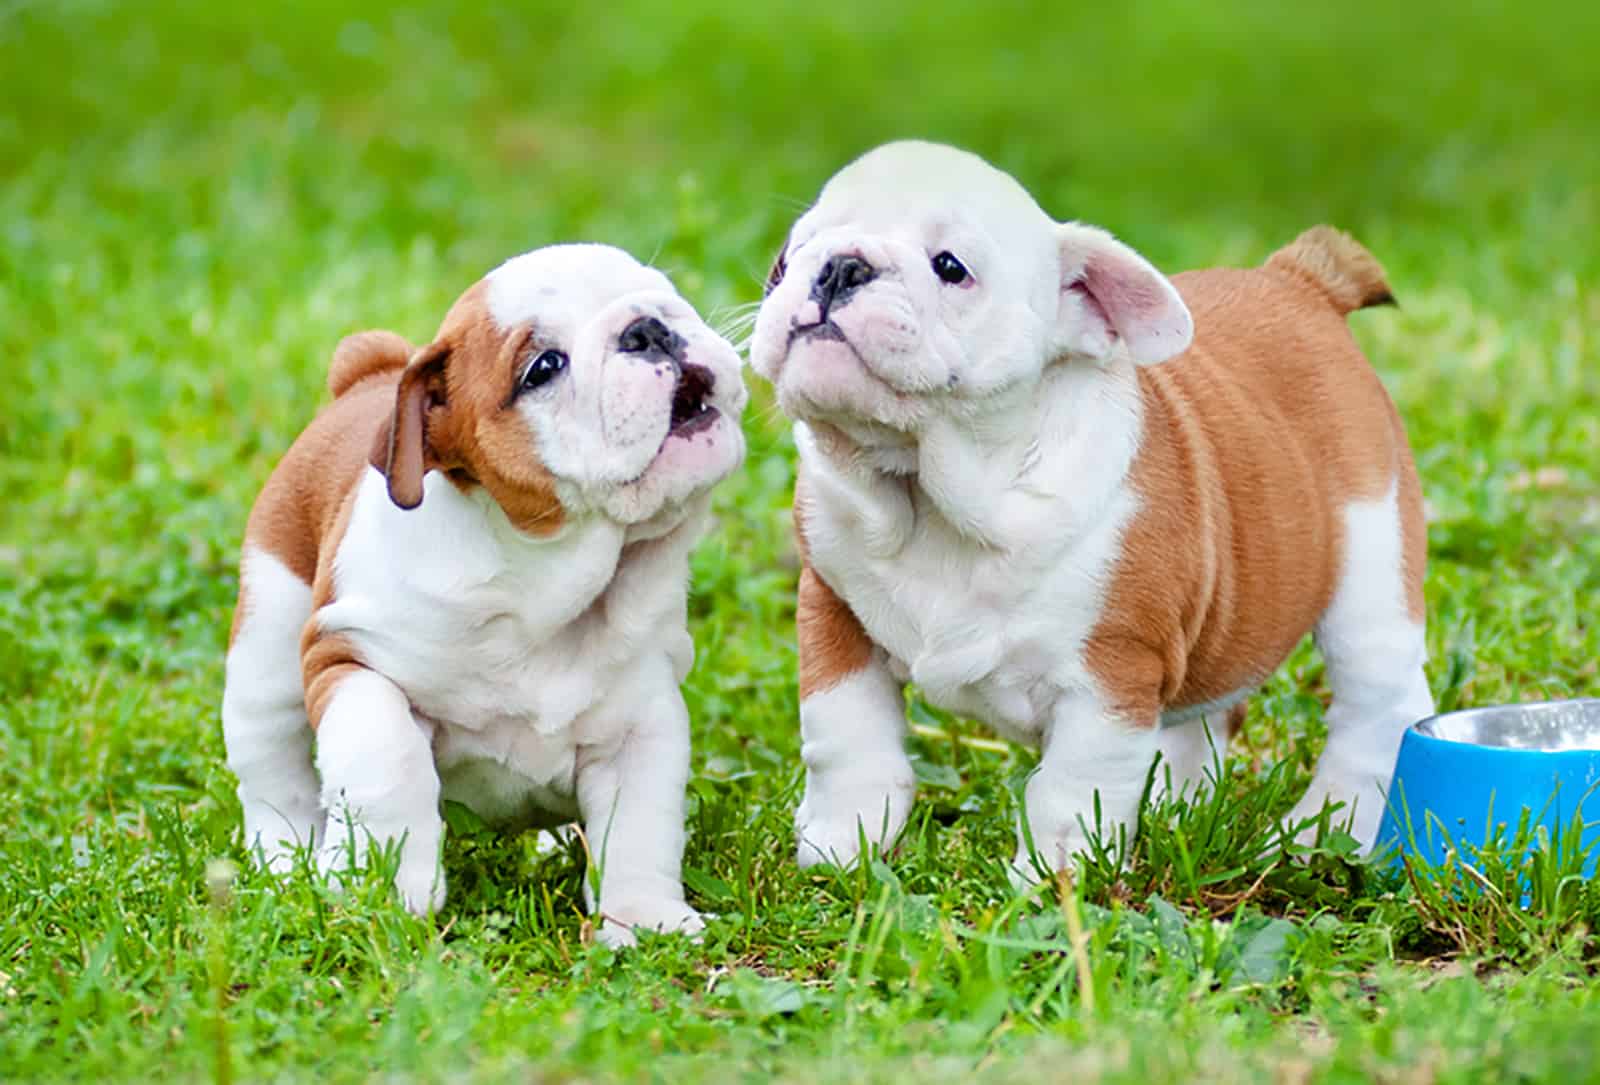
(840,277)
(648,335)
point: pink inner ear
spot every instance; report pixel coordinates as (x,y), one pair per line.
(1080,288)
(1126,294)
(1134,300)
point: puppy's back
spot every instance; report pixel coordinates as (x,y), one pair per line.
(1256,440)
(1274,344)
(307,492)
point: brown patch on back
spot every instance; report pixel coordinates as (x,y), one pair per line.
(1255,440)
(363,355)
(472,434)
(293,517)
(833,645)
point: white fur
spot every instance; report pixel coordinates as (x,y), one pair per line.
(264,713)
(533,677)
(1374,654)
(602,427)
(535,664)
(967,450)
(858,777)
(987,627)
(379,784)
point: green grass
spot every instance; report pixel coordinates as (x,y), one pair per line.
(198,200)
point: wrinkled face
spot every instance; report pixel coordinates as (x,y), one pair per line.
(574,380)
(926,282)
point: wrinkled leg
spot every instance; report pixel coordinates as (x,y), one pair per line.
(858,777)
(264,725)
(631,790)
(852,732)
(1088,752)
(1374,650)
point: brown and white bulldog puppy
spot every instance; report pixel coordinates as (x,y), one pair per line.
(467,580)
(1077,500)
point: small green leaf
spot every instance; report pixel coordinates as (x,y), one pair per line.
(462,820)
(709,888)
(1261,950)
(760,997)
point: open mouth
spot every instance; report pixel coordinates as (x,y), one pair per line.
(691,412)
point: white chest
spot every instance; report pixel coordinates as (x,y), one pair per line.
(503,644)
(991,633)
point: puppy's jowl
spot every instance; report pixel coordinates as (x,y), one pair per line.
(467,579)
(1085,503)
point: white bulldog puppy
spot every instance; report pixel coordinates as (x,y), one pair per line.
(467,580)
(1077,500)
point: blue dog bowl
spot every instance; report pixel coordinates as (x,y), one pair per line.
(1464,778)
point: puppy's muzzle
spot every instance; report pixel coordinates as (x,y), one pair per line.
(838,280)
(652,341)
(649,337)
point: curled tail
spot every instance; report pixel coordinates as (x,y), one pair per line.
(363,355)
(1338,265)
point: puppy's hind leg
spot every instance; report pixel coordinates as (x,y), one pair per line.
(1192,751)
(264,724)
(1372,639)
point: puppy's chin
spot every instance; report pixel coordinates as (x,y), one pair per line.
(686,467)
(826,380)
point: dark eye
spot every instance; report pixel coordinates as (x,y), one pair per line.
(543,369)
(949,269)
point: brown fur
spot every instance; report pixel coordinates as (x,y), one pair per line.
(1338,265)
(295,514)
(1255,440)
(363,355)
(448,408)
(832,643)
(465,425)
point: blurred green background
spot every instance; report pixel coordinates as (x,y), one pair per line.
(197,200)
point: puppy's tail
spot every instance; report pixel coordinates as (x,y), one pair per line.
(1336,264)
(364,355)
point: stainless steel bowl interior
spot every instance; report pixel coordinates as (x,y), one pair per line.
(1552,726)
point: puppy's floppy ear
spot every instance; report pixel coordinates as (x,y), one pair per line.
(403,457)
(1110,293)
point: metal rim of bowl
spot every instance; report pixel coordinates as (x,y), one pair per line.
(1564,726)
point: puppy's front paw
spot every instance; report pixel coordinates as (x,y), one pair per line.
(1357,808)
(1028,868)
(834,836)
(618,922)
(419,878)
(1065,834)
(272,838)
(421,886)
